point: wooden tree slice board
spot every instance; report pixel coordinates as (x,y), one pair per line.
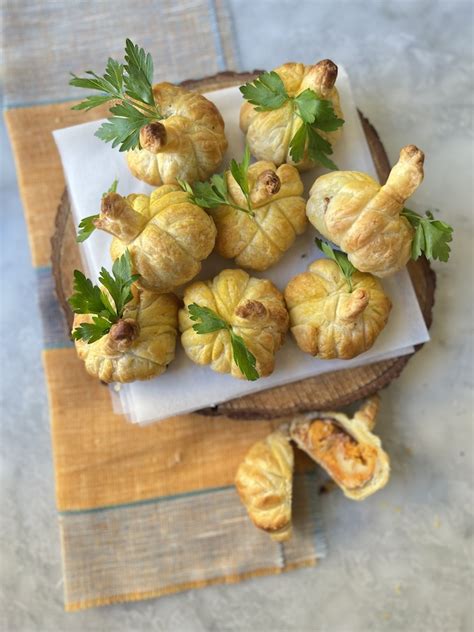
(323,392)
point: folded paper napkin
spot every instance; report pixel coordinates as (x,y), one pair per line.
(90,166)
(143,512)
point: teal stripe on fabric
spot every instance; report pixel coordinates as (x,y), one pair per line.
(55,330)
(142,549)
(147,501)
(29,104)
(310,487)
(315,479)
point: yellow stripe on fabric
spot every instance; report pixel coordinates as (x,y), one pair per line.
(169,590)
(38,166)
(101,459)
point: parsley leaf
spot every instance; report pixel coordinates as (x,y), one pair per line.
(307,105)
(106,308)
(243,358)
(87,225)
(207,321)
(124,127)
(268,93)
(239,170)
(324,116)
(210,321)
(340,258)
(319,148)
(139,74)
(91,332)
(87,297)
(214,192)
(432,236)
(298,143)
(129,86)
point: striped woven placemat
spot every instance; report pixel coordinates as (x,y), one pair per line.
(148,511)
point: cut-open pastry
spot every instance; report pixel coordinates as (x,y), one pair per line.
(364,218)
(139,346)
(187,144)
(264,481)
(247,316)
(259,241)
(271,129)
(346,448)
(328,318)
(166,235)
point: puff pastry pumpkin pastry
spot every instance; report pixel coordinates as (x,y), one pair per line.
(329,321)
(264,482)
(352,210)
(269,133)
(253,308)
(279,216)
(188,144)
(166,235)
(139,346)
(346,448)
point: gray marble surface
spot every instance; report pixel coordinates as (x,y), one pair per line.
(401,560)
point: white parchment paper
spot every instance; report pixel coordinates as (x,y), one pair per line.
(90,166)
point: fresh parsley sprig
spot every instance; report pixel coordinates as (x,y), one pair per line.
(214,192)
(129,86)
(87,225)
(106,308)
(268,92)
(340,258)
(432,236)
(207,321)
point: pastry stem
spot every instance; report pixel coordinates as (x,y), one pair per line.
(119,218)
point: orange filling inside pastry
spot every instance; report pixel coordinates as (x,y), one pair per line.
(348,462)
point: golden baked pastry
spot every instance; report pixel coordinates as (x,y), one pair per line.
(254,310)
(166,234)
(139,346)
(270,132)
(276,198)
(188,144)
(352,210)
(328,320)
(264,481)
(346,448)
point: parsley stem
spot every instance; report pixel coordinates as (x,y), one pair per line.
(152,113)
(244,210)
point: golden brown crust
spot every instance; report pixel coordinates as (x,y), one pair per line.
(346,448)
(166,235)
(352,210)
(269,133)
(264,483)
(188,144)
(277,198)
(327,320)
(253,307)
(138,347)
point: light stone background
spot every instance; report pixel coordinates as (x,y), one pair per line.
(401,560)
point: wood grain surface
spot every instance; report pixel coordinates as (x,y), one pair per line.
(323,392)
